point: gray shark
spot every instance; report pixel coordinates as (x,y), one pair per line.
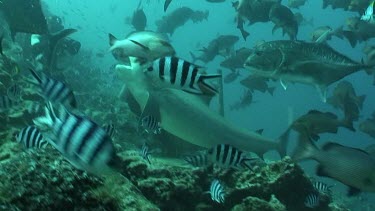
(202,126)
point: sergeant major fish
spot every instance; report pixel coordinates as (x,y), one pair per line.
(31,137)
(217,192)
(81,141)
(180,74)
(55,91)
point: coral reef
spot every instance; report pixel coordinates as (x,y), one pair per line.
(42,179)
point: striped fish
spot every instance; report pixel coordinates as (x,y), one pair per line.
(31,137)
(151,125)
(14,92)
(55,91)
(198,160)
(110,129)
(180,74)
(34,108)
(217,191)
(81,141)
(312,200)
(322,187)
(5,103)
(227,156)
(145,154)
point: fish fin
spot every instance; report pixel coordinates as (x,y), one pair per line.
(283,84)
(271,90)
(1,45)
(205,87)
(352,191)
(166,4)
(48,119)
(351,37)
(112,39)
(260,131)
(193,57)
(305,149)
(275,28)
(54,39)
(35,75)
(151,109)
(283,142)
(361,99)
(322,90)
(321,172)
(140,45)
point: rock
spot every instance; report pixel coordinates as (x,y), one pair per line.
(254,204)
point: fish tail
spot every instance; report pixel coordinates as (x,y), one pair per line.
(207,88)
(48,119)
(361,99)
(54,40)
(283,143)
(348,121)
(305,148)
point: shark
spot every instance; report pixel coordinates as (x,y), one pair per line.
(189,117)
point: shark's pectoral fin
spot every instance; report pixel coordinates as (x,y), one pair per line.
(151,108)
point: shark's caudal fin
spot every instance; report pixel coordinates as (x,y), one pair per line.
(305,148)
(54,39)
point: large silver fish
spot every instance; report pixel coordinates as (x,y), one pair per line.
(296,61)
(202,126)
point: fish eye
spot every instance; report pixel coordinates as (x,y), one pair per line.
(258,53)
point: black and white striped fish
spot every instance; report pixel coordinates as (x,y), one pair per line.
(198,160)
(227,156)
(6,103)
(322,187)
(145,154)
(14,92)
(80,140)
(110,129)
(217,192)
(180,74)
(150,124)
(312,200)
(30,137)
(54,90)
